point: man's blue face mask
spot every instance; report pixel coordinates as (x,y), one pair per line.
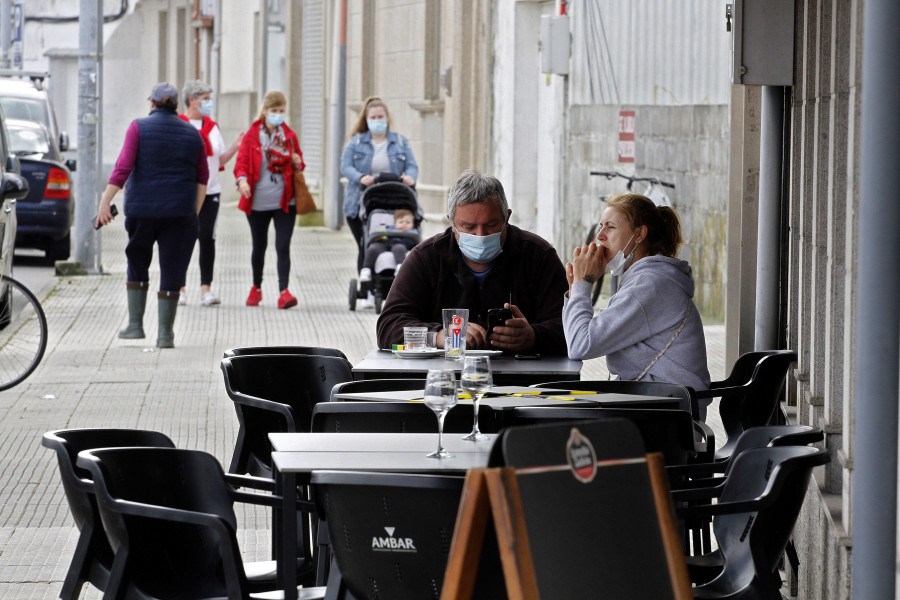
(480,249)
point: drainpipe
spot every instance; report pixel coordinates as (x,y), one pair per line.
(5,31)
(334,213)
(214,54)
(877,360)
(769,221)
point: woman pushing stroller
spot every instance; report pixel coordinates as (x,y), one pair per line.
(373,149)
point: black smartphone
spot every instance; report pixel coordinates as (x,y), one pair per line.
(497,317)
(112,209)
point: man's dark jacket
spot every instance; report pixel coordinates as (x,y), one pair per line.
(528,273)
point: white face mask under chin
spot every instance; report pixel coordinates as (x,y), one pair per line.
(619,262)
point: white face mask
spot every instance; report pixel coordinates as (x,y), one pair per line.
(619,262)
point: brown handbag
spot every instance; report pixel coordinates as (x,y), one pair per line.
(302,197)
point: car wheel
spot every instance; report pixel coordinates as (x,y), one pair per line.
(60,249)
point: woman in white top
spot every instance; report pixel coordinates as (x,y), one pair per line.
(198,100)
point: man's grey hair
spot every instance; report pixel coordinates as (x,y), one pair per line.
(472,187)
(194,88)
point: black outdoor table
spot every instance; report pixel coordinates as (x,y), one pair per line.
(302,453)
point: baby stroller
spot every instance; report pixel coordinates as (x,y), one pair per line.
(376,211)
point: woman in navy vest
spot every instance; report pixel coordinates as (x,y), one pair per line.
(264,172)
(163,168)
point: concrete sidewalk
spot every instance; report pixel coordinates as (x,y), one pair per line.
(90,378)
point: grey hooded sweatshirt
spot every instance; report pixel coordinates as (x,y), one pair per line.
(654,295)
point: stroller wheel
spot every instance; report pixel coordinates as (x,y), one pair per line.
(352,295)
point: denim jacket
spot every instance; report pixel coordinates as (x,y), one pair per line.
(356,162)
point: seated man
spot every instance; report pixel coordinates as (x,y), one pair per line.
(481,262)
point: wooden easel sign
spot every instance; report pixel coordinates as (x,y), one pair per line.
(584,526)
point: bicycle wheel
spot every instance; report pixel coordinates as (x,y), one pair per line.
(23,332)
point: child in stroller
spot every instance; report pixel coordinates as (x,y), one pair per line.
(388,244)
(391,217)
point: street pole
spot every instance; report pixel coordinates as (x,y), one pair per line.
(5,31)
(85,241)
(338,101)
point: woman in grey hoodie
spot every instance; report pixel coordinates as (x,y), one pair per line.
(651,329)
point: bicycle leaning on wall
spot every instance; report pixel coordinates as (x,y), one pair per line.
(23,332)
(652,187)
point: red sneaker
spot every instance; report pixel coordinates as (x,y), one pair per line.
(255,296)
(286,300)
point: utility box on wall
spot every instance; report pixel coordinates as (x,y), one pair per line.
(555,45)
(762,41)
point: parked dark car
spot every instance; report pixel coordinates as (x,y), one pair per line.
(46,214)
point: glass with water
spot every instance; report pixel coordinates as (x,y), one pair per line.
(476,379)
(440,396)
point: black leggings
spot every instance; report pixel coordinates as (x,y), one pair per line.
(259,231)
(209,214)
(356,228)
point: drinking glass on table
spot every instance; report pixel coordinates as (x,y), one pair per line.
(440,396)
(476,379)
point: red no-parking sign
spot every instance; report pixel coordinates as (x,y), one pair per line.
(626,136)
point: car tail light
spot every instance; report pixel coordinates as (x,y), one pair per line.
(57,184)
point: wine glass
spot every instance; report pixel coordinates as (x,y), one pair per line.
(440,396)
(477,380)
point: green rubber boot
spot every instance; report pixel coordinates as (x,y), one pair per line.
(167,305)
(137,301)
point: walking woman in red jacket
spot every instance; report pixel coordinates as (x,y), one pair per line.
(266,161)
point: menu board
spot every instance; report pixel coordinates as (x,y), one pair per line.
(594,520)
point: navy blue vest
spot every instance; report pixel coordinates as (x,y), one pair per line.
(164,180)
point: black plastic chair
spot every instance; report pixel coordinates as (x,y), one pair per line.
(705,475)
(391,533)
(377,385)
(668,431)
(275,393)
(313,350)
(753,518)
(753,403)
(169,515)
(93,556)
(397,417)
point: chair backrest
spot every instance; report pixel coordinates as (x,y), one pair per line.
(397,417)
(641,388)
(743,368)
(775,435)
(754,403)
(314,350)
(276,393)
(390,533)
(169,515)
(670,432)
(67,443)
(773,482)
(377,385)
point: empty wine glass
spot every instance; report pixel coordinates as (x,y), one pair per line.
(440,396)
(477,380)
